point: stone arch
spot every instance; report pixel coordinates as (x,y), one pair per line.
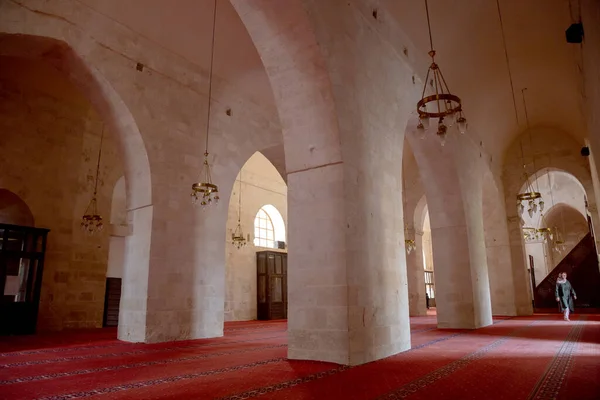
(260,183)
(67,51)
(13,210)
(62,55)
(305,103)
(549,149)
(118,205)
(452,178)
(498,252)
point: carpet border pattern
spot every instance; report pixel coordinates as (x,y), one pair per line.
(127,353)
(170,379)
(551,381)
(133,365)
(426,380)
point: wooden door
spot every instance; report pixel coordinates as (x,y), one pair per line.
(271,285)
(21,267)
(112,301)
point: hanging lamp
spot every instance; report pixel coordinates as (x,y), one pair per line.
(409,244)
(206,192)
(237,237)
(441,104)
(91,222)
(530,195)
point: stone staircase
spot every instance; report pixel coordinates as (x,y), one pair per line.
(581,266)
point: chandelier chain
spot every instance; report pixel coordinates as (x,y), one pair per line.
(429,25)
(530,141)
(98,164)
(210,76)
(512,86)
(240,199)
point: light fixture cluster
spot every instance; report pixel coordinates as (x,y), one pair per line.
(91,221)
(410,245)
(237,237)
(441,104)
(205,193)
(531,198)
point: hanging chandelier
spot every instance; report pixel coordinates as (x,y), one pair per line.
(529,196)
(91,222)
(409,244)
(535,234)
(237,237)
(559,244)
(206,192)
(441,104)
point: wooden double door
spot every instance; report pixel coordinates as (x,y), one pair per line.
(22,250)
(272,299)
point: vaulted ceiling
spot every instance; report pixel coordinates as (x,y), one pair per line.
(467,37)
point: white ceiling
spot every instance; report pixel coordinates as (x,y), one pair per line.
(466,35)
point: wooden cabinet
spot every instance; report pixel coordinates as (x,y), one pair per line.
(22,250)
(271,270)
(112,301)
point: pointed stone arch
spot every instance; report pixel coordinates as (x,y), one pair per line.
(66,51)
(13,210)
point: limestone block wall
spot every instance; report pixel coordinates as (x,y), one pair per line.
(170,292)
(261,185)
(415,207)
(374,94)
(48,154)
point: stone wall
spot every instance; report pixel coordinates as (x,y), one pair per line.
(261,185)
(48,156)
(158,110)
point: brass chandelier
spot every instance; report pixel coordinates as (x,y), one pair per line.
(529,196)
(441,104)
(91,222)
(237,237)
(206,192)
(409,244)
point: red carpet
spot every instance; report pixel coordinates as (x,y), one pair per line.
(539,357)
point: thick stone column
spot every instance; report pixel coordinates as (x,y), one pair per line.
(415,274)
(451,175)
(348,297)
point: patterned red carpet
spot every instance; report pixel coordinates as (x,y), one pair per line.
(539,357)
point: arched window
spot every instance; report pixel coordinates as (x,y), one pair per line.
(264,234)
(269,227)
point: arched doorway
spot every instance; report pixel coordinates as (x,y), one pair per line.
(262,213)
(79,83)
(13,210)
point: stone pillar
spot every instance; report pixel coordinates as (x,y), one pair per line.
(520,265)
(590,15)
(498,249)
(415,274)
(347,289)
(451,175)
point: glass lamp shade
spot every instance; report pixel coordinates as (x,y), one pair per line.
(91,224)
(541,203)
(424,121)
(461,122)
(421,130)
